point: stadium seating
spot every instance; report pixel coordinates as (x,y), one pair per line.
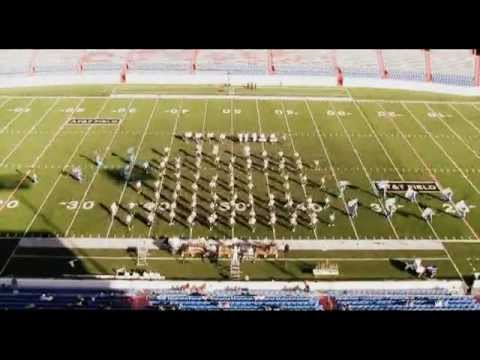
(235,300)
(451,67)
(406,303)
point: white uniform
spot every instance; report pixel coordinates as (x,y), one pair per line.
(353,208)
(411,194)
(427,214)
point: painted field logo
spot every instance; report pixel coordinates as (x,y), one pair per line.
(94,121)
(402,186)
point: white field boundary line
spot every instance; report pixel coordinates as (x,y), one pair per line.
(140,144)
(455,133)
(29,132)
(330,164)
(29,226)
(41,241)
(399,174)
(403,179)
(250,97)
(172,136)
(465,118)
(114,135)
(173,258)
(16,116)
(442,149)
(424,164)
(285,116)
(363,167)
(263,149)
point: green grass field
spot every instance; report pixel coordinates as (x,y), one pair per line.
(419,141)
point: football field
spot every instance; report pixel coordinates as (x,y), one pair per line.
(353,139)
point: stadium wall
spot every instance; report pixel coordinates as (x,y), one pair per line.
(156,77)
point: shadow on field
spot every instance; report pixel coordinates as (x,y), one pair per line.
(11,181)
(398,264)
(137,174)
(55,261)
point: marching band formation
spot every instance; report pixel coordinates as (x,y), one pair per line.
(229,204)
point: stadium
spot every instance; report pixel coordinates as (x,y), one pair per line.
(204,180)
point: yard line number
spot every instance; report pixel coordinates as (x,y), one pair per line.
(280,112)
(20,110)
(12,204)
(340,113)
(438,115)
(73,205)
(124,110)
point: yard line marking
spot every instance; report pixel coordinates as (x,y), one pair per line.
(357,154)
(98,169)
(28,133)
(465,118)
(52,139)
(231,150)
(427,168)
(67,164)
(27,229)
(263,148)
(16,116)
(401,177)
(455,133)
(174,130)
(139,146)
(285,116)
(4,103)
(252,97)
(332,169)
(175,258)
(442,149)
(389,158)
(204,123)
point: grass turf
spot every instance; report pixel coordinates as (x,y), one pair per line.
(360,144)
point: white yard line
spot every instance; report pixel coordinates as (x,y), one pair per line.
(247,97)
(64,167)
(174,130)
(263,148)
(114,135)
(357,154)
(455,133)
(403,179)
(4,103)
(390,159)
(139,147)
(28,133)
(465,118)
(37,213)
(15,117)
(332,169)
(204,123)
(174,258)
(442,149)
(232,131)
(427,168)
(295,150)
